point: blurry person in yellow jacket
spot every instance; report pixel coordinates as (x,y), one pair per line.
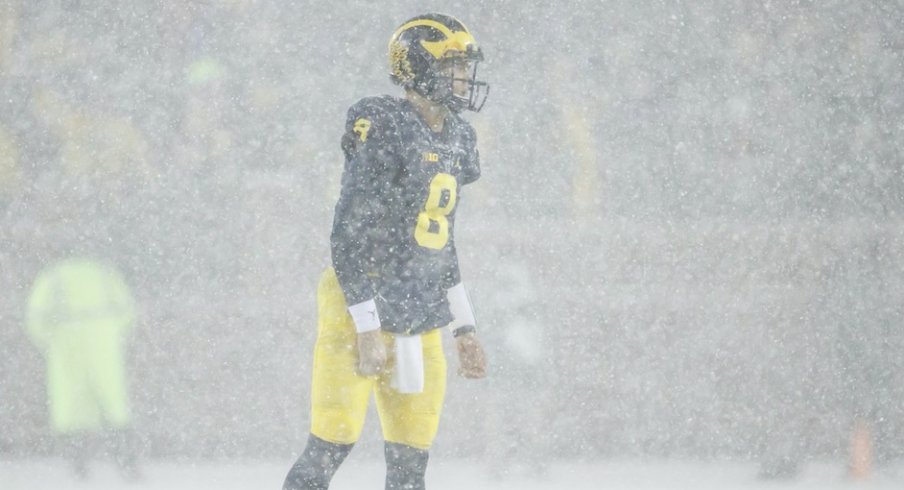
(78,315)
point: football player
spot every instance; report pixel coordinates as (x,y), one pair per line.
(394,280)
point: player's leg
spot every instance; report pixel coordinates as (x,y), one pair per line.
(76,448)
(406,467)
(109,387)
(410,421)
(317,464)
(338,395)
(74,415)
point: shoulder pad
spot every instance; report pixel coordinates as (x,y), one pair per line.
(373,118)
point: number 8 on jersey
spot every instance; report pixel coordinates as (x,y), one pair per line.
(432,229)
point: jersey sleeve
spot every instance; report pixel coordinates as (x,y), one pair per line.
(371,148)
(470,167)
(470,172)
(452,274)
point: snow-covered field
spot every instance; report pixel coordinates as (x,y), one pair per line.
(636,475)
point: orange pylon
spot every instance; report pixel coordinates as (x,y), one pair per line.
(861,464)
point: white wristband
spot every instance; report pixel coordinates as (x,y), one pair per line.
(460,306)
(365,316)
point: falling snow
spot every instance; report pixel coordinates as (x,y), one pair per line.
(686,251)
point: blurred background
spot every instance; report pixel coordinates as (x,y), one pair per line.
(687,241)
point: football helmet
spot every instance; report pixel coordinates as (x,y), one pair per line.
(422,53)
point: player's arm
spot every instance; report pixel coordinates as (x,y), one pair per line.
(471,357)
(39,315)
(358,229)
(470,168)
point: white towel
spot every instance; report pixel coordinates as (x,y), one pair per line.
(408,373)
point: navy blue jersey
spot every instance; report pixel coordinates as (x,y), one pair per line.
(393,229)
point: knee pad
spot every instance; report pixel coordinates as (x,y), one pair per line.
(406,467)
(316,465)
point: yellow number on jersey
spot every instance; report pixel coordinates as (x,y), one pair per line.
(435,212)
(362,126)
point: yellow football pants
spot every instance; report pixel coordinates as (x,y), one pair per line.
(339,396)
